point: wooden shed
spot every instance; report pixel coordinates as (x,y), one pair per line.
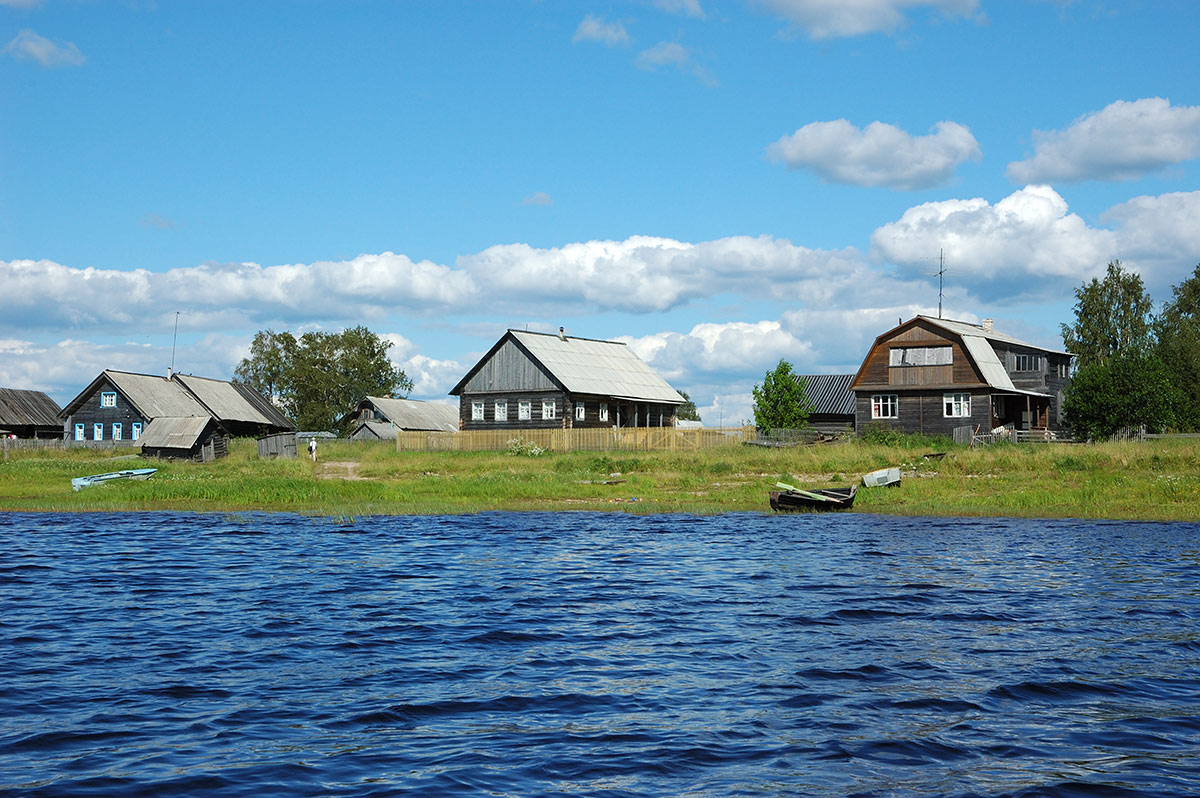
(534,380)
(29,414)
(196,438)
(380,417)
(832,403)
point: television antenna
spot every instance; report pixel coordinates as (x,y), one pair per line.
(941,274)
(174,338)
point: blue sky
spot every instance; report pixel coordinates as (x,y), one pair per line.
(720,184)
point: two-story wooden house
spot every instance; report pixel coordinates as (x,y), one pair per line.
(536,380)
(932,375)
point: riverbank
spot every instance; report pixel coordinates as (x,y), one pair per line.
(1152,480)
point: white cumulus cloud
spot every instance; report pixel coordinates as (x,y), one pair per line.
(676,55)
(829,19)
(1026,245)
(1123,141)
(29,46)
(878,155)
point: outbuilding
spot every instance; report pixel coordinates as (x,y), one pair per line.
(29,414)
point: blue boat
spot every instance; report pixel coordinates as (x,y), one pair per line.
(100,479)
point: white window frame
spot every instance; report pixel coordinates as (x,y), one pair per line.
(97,432)
(116,432)
(524,411)
(500,409)
(135,430)
(1034,362)
(956,405)
(81,432)
(882,403)
(603,411)
(580,411)
(477,411)
(108,399)
(549,410)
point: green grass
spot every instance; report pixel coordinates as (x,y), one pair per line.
(1154,480)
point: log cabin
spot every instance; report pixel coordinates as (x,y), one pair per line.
(531,380)
(932,375)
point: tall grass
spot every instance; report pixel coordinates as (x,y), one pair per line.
(1146,480)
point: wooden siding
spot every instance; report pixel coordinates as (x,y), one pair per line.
(877,371)
(90,413)
(628,414)
(924,412)
(510,369)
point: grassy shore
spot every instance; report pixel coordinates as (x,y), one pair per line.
(1155,480)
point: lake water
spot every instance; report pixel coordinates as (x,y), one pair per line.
(597,655)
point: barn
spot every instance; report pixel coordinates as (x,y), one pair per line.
(831,403)
(380,417)
(29,414)
(530,380)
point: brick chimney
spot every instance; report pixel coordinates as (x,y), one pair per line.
(987,325)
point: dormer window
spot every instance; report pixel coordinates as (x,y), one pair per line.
(108,399)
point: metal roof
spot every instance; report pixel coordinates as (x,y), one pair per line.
(601,368)
(168,432)
(21,408)
(409,414)
(155,397)
(230,401)
(830,393)
(965,328)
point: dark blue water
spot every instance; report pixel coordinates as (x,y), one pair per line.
(597,655)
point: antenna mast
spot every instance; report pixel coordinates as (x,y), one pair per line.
(940,274)
(176,336)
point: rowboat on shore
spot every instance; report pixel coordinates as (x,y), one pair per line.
(792,498)
(100,479)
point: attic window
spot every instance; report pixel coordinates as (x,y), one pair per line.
(1028,363)
(108,399)
(921,356)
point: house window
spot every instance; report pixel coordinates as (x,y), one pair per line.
(603,412)
(136,430)
(502,411)
(580,412)
(79,432)
(477,411)
(524,411)
(1028,363)
(1064,369)
(921,356)
(548,409)
(884,405)
(97,432)
(108,399)
(956,405)
(116,432)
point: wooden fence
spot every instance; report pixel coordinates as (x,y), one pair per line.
(566,440)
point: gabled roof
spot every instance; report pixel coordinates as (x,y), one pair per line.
(410,414)
(966,328)
(830,394)
(588,366)
(152,396)
(25,408)
(232,401)
(168,432)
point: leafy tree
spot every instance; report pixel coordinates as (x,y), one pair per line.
(1178,332)
(1113,316)
(318,378)
(687,411)
(780,402)
(1123,391)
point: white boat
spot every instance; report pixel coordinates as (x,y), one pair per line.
(99,479)
(882,478)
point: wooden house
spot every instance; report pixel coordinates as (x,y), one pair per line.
(380,417)
(932,375)
(29,414)
(198,438)
(117,408)
(535,380)
(831,401)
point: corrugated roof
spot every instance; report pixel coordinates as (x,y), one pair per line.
(602,368)
(228,402)
(21,408)
(409,414)
(382,430)
(830,393)
(167,432)
(966,328)
(156,397)
(980,350)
